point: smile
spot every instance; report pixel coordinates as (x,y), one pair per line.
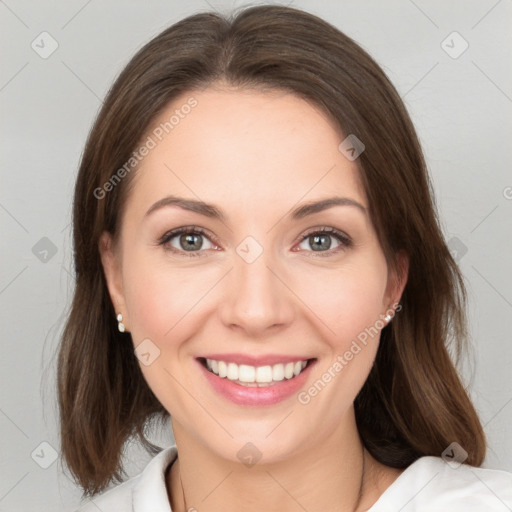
(253,384)
(252,376)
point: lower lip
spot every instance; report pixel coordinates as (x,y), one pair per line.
(268,395)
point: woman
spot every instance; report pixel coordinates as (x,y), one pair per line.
(259,260)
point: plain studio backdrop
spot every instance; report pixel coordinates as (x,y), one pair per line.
(450,61)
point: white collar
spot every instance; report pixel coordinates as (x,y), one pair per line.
(427,484)
(150,493)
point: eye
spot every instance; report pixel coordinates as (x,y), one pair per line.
(320,240)
(190,240)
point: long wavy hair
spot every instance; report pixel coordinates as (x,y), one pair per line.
(413,402)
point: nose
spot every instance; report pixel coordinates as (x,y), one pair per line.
(256,298)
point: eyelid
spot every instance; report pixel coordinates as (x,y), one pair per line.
(323,229)
(343,238)
(168,235)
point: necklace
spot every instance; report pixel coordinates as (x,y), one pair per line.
(183,494)
(359,497)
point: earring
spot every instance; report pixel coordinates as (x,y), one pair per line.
(120,324)
(387,318)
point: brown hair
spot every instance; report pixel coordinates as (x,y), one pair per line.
(413,402)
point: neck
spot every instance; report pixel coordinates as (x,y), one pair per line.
(333,473)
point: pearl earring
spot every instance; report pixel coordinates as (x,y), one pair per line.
(120,324)
(387,318)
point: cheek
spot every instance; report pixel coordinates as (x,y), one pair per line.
(156,301)
(161,297)
(348,304)
(346,301)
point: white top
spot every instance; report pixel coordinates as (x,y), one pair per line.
(428,485)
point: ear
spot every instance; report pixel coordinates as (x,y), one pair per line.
(111,263)
(397,280)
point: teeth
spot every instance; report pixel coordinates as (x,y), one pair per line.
(232,371)
(263,374)
(254,375)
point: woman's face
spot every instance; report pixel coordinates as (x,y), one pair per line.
(256,281)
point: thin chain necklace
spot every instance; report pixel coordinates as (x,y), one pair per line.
(183,493)
(359,498)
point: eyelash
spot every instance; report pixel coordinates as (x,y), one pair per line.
(345,241)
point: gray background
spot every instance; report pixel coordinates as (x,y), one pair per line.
(462,110)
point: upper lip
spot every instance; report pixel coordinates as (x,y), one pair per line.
(263,360)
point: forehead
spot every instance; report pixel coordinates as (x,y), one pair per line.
(245,149)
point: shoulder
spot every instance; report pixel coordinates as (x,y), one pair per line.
(145,489)
(431,484)
(116,499)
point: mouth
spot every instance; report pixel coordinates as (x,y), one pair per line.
(256,376)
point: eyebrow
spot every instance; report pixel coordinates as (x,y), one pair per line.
(211,211)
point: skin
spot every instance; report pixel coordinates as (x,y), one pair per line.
(255,155)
